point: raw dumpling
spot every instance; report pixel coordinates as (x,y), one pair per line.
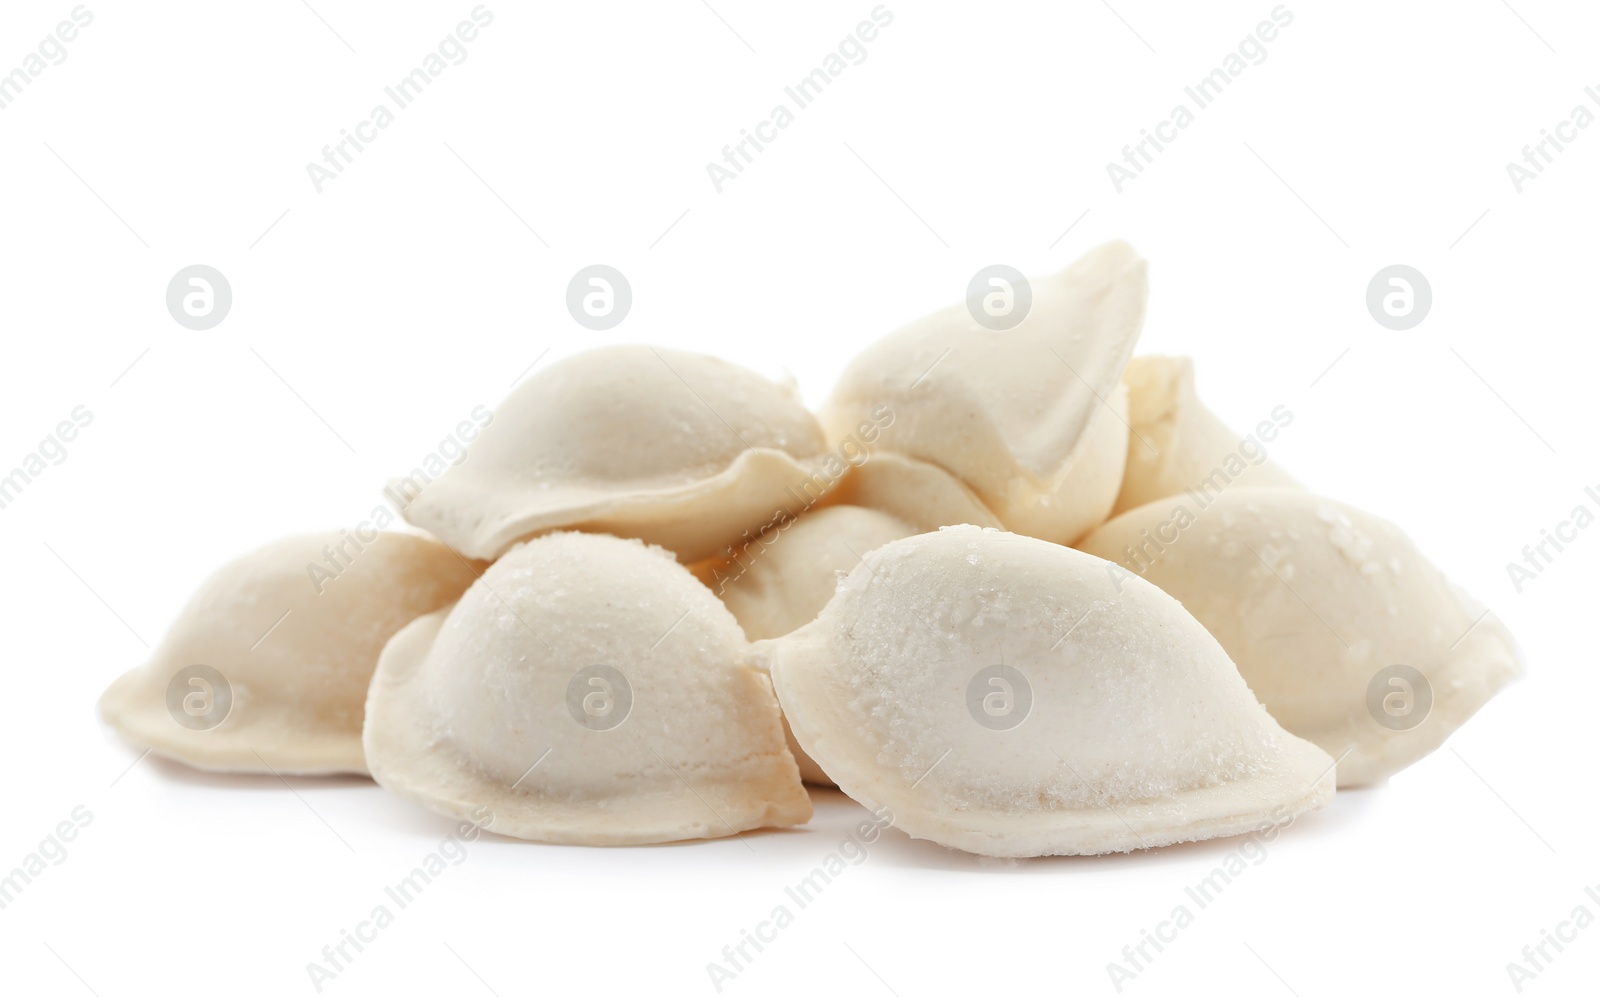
(1010,697)
(1348,634)
(1031,418)
(679,449)
(912,490)
(782,581)
(266,668)
(1178,444)
(884,498)
(586,690)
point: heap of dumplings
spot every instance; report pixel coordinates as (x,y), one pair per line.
(997,589)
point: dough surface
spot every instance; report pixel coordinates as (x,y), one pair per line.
(1177,443)
(1317,602)
(1032,418)
(679,449)
(586,690)
(294,648)
(1011,697)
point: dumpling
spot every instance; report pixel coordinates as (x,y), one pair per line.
(679,449)
(1350,636)
(586,690)
(1033,418)
(266,668)
(1178,444)
(880,499)
(783,580)
(1011,697)
(919,493)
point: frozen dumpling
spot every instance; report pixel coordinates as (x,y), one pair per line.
(884,498)
(1349,635)
(919,493)
(783,580)
(1177,444)
(1031,418)
(1011,697)
(679,449)
(586,690)
(266,668)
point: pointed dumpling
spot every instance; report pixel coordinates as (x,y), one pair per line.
(586,690)
(881,499)
(266,668)
(1030,418)
(782,581)
(1345,631)
(679,449)
(1177,443)
(1011,697)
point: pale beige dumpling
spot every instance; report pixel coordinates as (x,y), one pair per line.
(1011,697)
(880,499)
(266,668)
(1032,418)
(1178,445)
(679,449)
(783,580)
(914,491)
(586,690)
(1350,636)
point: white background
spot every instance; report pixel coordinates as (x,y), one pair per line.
(373,316)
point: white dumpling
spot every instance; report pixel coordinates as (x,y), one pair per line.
(678,449)
(782,581)
(1011,697)
(1350,636)
(586,690)
(919,493)
(1177,444)
(883,498)
(266,668)
(1031,418)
